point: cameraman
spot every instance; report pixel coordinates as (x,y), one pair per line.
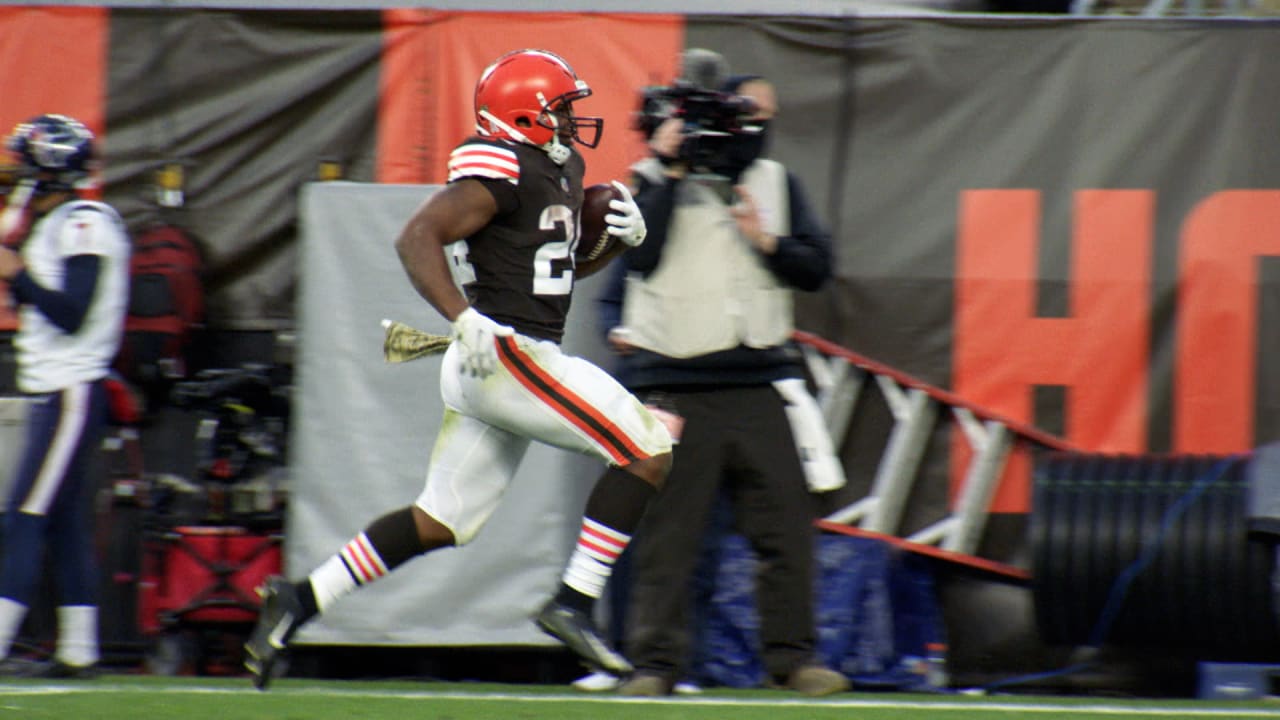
(705,334)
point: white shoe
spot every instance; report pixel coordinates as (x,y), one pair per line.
(685,687)
(597,682)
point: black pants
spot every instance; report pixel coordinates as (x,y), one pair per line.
(737,438)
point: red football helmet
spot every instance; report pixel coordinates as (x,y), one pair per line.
(525,96)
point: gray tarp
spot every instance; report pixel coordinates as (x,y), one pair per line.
(250,104)
(363,434)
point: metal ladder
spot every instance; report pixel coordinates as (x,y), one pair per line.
(839,375)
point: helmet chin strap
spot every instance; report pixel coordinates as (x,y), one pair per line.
(558,153)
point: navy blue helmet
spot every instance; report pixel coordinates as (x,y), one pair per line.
(55,150)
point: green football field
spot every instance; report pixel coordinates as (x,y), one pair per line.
(133,697)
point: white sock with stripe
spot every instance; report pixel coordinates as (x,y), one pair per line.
(356,564)
(593,558)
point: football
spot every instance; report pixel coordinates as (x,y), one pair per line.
(594,239)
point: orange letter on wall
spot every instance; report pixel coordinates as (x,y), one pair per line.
(1215,378)
(1099,353)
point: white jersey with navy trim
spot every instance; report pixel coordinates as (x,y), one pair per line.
(49,358)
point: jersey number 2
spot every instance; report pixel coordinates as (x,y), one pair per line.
(546,281)
(549,276)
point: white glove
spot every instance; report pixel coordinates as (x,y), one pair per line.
(626,223)
(477,336)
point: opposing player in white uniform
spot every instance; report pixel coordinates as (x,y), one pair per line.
(508,217)
(70,282)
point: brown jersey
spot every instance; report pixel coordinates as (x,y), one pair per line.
(518,269)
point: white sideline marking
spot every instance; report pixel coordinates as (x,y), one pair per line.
(940,705)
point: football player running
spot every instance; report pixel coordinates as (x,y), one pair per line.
(508,217)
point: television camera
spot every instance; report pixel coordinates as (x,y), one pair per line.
(713,120)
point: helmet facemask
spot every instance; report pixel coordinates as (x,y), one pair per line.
(557,116)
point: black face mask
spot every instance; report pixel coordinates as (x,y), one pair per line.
(742,151)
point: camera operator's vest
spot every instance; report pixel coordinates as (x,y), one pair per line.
(711,290)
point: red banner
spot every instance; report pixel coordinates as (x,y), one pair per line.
(53,60)
(432,60)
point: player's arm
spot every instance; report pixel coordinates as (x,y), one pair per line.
(803,259)
(455,212)
(67,307)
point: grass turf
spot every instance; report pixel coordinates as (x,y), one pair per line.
(132,697)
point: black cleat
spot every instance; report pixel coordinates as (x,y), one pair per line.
(279,618)
(58,670)
(12,667)
(575,629)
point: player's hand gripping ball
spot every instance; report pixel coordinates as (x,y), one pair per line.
(625,222)
(595,239)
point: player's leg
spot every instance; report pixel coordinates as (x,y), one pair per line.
(570,403)
(71,551)
(385,544)
(53,425)
(613,511)
(471,465)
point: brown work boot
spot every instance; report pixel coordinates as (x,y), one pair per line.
(815,681)
(645,683)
